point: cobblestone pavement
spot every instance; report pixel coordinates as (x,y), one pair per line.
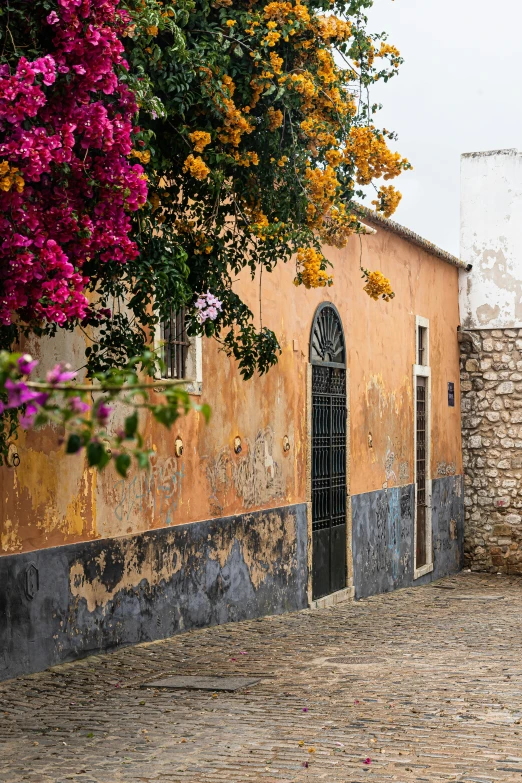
(426,683)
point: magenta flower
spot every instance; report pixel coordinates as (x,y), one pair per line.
(367,761)
(44,128)
(27,418)
(26,364)
(77,405)
(17,393)
(102,413)
(61,373)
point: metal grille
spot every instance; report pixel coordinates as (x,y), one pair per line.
(328,447)
(176,344)
(421,340)
(421,471)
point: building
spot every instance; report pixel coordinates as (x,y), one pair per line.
(491,345)
(338,474)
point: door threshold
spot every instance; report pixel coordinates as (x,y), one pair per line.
(347,594)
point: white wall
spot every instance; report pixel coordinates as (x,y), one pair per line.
(491,239)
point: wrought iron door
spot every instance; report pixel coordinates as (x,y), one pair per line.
(328,453)
(420,425)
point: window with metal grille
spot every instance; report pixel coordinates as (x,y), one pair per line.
(422,340)
(176,344)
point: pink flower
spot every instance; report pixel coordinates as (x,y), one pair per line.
(61,374)
(17,393)
(208,307)
(41,255)
(27,418)
(77,405)
(102,413)
(26,364)
(367,761)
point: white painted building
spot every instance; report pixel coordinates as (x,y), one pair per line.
(491,239)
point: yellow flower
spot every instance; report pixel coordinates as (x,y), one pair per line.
(311,268)
(275,118)
(276,62)
(388,199)
(373,159)
(152,30)
(10,178)
(271,38)
(196,167)
(143,156)
(200,140)
(377,286)
(230,22)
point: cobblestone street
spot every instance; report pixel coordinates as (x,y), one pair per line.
(423,684)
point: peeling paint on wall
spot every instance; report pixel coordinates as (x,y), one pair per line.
(255,476)
(491,240)
(446,468)
(98,595)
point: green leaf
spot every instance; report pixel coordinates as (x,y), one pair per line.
(143,459)
(97,455)
(74,444)
(131,425)
(123,464)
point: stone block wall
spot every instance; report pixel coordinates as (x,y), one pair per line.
(491,400)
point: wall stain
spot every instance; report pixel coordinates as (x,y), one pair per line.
(262,543)
(9,539)
(446,468)
(158,490)
(255,476)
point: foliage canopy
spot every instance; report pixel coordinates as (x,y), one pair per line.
(255,133)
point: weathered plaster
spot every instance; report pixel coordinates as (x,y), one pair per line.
(97,595)
(210,479)
(383,536)
(491,239)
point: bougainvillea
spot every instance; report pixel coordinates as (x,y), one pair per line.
(264,137)
(83,411)
(151,150)
(68,186)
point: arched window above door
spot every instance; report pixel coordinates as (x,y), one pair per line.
(327,344)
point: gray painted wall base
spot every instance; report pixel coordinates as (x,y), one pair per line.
(66,602)
(383,536)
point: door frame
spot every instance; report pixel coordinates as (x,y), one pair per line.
(422,371)
(349,590)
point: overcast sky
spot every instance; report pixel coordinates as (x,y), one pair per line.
(459,90)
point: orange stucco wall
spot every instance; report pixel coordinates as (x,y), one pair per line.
(52,499)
